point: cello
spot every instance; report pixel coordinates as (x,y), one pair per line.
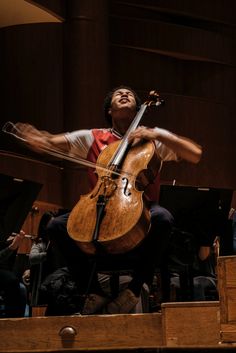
(114,217)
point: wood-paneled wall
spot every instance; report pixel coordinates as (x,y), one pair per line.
(184,49)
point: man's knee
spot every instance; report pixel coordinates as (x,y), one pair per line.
(161,216)
(58,224)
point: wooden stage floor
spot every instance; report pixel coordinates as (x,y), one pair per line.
(208,326)
(185,326)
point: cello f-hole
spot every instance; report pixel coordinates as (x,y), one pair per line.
(126,182)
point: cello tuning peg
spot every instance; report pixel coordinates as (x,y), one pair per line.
(153,95)
(154,99)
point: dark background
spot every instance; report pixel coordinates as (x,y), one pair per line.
(55,76)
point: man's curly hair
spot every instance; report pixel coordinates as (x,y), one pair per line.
(108,98)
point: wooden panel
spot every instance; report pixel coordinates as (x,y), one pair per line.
(185,9)
(92,332)
(172,40)
(221,269)
(154,45)
(31,75)
(231,293)
(198,80)
(227,288)
(198,104)
(227,296)
(228,333)
(191,323)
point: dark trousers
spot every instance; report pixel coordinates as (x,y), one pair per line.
(143,259)
(14,298)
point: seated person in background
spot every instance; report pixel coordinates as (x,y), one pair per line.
(195,248)
(43,258)
(199,277)
(14,291)
(41,245)
(38,252)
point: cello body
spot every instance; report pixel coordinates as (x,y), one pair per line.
(124,219)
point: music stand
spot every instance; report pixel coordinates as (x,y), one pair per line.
(16,199)
(199,215)
(200,210)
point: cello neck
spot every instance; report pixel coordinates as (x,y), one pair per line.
(118,157)
(123,147)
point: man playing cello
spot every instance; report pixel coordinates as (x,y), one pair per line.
(121,106)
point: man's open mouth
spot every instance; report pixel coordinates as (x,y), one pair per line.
(124,100)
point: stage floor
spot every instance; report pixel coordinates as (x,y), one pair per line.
(185,326)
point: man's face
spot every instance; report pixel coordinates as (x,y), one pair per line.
(123,99)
